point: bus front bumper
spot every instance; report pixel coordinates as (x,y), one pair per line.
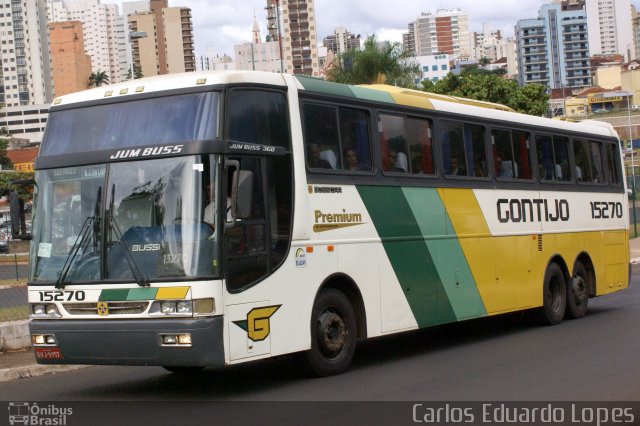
(131,342)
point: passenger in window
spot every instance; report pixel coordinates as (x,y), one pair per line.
(505,169)
(350,159)
(314,159)
(456,169)
(479,170)
(402,163)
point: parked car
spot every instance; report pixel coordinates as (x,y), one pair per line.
(635,108)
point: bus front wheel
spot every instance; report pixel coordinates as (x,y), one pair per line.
(333,334)
(554,295)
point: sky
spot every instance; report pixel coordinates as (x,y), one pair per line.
(220,24)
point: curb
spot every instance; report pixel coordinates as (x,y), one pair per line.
(27,371)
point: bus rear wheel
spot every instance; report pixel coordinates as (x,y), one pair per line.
(333,334)
(554,295)
(578,292)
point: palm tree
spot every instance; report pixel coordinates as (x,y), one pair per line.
(98,78)
(376,63)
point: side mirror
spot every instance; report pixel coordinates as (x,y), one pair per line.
(244,193)
(16,212)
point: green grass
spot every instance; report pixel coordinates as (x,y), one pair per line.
(13,283)
(14,313)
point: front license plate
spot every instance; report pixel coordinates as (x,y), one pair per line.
(48,353)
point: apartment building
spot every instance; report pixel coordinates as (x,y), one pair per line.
(446,31)
(70,65)
(341,40)
(103,29)
(299,39)
(553,49)
(610,27)
(24,54)
(168,45)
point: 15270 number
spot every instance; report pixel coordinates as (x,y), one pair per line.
(606,210)
(62,296)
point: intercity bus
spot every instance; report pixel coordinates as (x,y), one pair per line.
(211,219)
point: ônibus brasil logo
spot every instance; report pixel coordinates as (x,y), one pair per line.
(25,413)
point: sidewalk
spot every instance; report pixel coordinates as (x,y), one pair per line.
(634,250)
(22,364)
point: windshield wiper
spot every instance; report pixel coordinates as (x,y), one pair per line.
(138,275)
(80,243)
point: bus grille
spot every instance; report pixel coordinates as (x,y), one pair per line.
(115,308)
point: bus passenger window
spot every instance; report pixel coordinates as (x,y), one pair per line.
(393,144)
(463,149)
(511,154)
(354,139)
(613,159)
(553,158)
(322,142)
(420,146)
(588,161)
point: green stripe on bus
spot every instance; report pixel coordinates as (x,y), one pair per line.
(113,295)
(447,254)
(313,84)
(142,294)
(409,256)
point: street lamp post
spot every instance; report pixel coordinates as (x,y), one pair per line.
(134,35)
(633,166)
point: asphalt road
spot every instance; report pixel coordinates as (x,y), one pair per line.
(506,358)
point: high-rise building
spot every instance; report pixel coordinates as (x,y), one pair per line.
(300,45)
(446,31)
(168,45)
(636,30)
(103,28)
(341,40)
(610,27)
(258,55)
(409,38)
(487,44)
(553,49)
(71,66)
(24,55)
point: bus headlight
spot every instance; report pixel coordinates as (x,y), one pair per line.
(198,307)
(168,308)
(184,308)
(39,310)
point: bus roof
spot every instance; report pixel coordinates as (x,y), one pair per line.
(377,93)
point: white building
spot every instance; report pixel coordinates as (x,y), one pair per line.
(258,55)
(434,67)
(215,62)
(610,27)
(26,70)
(446,31)
(25,122)
(104,33)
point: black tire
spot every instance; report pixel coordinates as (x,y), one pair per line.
(184,370)
(578,292)
(333,334)
(554,296)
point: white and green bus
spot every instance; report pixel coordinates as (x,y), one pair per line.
(211,219)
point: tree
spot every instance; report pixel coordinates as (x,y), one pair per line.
(5,162)
(489,86)
(138,72)
(387,63)
(98,78)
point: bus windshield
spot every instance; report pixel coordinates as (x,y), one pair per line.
(135,221)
